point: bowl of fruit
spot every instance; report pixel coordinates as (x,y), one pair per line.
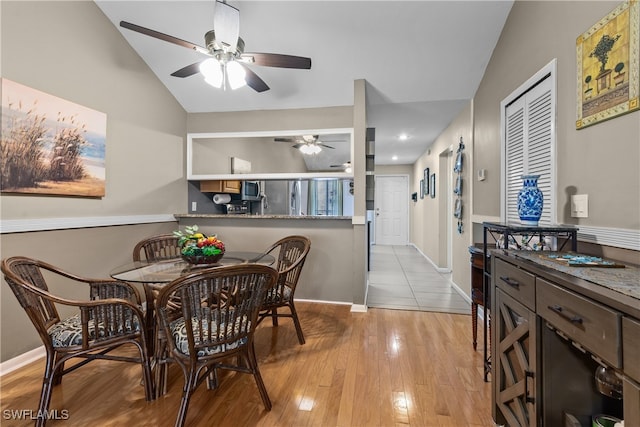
(198,248)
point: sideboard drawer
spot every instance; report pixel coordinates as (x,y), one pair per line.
(631,348)
(596,327)
(516,282)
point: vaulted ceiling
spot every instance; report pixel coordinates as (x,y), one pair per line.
(422,60)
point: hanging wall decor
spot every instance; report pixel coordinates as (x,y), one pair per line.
(426,181)
(432,186)
(50,145)
(608,66)
(457,190)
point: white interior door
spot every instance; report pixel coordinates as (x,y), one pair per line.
(391,210)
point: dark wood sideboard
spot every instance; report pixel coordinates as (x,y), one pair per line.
(553,326)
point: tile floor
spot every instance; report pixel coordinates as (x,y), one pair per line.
(401,278)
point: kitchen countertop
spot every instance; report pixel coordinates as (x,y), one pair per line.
(252,217)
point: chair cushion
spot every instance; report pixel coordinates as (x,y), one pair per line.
(274,297)
(68,332)
(179,333)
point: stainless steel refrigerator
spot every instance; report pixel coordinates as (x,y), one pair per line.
(284,198)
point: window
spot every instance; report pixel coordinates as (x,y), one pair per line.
(529,143)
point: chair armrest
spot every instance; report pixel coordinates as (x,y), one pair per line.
(96,284)
(86,303)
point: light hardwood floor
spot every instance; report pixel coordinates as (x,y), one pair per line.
(380,368)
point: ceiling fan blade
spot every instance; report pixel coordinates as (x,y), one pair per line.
(277,60)
(284,140)
(226,23)
(253,81)
(187,71)
(325,145)
(163,37)
(344,165)
(297,145)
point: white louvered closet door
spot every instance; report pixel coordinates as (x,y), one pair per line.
(530,148)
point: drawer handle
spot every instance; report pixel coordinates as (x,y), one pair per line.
(509,281)
(528,374)
(560,312)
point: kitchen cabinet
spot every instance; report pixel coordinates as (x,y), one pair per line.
(553,327)
(220,186)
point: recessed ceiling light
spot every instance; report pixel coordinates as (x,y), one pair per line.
(394,158)
(403,137)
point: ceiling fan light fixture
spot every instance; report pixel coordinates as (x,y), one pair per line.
(236,75)
(310,149)
(211,69)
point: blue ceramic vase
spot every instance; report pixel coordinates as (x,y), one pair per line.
(530,200)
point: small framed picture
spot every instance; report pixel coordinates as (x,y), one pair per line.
(432,186)
(422,188)
(458,188)
(426,181)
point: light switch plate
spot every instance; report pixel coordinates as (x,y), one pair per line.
(194,206)
(580,206)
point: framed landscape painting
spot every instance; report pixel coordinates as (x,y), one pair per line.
(50,145)
(608,66)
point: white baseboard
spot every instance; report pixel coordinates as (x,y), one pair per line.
(359,308)
(457,288)
(22,360)
(355,308)
(442,270)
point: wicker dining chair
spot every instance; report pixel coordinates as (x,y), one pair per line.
(217,319)
(155,248)
(109,318)
(291,253)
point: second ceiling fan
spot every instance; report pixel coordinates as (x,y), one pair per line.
(225,48)
(308,144)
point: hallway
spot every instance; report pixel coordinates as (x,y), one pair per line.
(401,278)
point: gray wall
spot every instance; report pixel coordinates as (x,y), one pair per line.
(601,160)
(327,273)
(70,50)
(213,155)
(347,265)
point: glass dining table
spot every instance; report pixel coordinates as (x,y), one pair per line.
(165,271)
(153,275)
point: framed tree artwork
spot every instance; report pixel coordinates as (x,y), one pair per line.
(608,66)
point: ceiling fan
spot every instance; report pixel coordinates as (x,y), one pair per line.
(308,144)
(346,166)
(227,58)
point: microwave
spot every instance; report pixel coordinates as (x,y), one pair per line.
(250,190)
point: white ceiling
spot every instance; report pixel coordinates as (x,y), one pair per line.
(422,60)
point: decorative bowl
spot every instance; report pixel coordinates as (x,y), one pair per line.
(203,259)
(198,248)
